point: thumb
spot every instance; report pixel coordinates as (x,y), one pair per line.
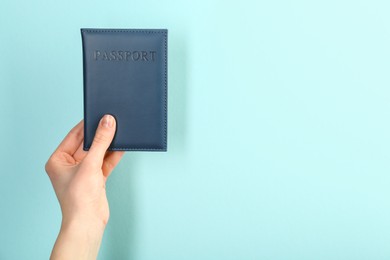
(103,137)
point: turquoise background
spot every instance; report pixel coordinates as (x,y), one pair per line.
(278,129)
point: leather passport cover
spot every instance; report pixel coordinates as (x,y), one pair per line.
(125,75)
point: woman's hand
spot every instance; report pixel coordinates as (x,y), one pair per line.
(79,179)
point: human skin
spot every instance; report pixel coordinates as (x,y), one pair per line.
(79,181)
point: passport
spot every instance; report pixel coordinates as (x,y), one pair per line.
(125,75)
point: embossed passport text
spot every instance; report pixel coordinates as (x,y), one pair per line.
(125,75)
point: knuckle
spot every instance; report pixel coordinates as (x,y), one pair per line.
(49,166)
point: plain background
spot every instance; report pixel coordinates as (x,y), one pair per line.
(278,129)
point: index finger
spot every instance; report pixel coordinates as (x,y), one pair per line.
(72,140)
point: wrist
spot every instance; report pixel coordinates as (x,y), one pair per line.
(79,238)
(84,222)
(92,228)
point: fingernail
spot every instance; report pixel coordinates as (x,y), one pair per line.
(108,121)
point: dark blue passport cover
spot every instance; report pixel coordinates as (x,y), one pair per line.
(125,75)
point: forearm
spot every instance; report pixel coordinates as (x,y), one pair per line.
(78,240)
